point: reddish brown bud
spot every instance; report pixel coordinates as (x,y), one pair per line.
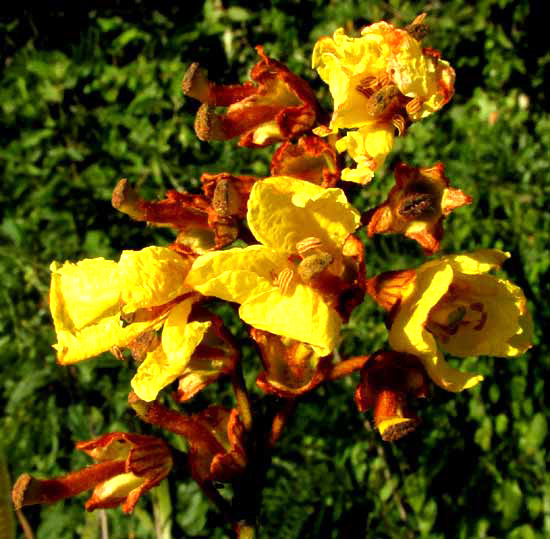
(311,159)
(387,380)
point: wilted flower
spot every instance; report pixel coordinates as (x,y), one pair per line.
(311,158)
(203,222)
(388,379)
(380,82)
(303,229)
(450,305)
(215,436)
(127,465)
(417,205)
(276,106)
(291,367)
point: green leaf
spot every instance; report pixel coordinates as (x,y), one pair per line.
(536,432)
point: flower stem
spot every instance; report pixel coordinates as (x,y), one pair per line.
(347,366)
(280,420)
(243,402)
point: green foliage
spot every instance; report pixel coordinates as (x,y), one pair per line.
(87,97)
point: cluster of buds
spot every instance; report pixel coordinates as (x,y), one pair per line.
(296,281)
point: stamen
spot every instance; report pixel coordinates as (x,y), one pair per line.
(284,280)
(369,85)
(413,106)
(307,244)
(399,123)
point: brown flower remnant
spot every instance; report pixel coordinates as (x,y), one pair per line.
(215,436)
(228,194)
(201,228)
(127,465)
(417,205)
(276,105)
(387,380)
(311,158)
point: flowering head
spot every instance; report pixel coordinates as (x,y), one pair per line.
(451,305)
(127,465)
(380,82)
(276,105)
(417,205)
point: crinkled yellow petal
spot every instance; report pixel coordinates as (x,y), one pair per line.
(236,274)
(150,277)
(76,345)
(84,301)
(368,147)
(283,211)
(477,262)
(344,63)
(302,315)
(504,333)
(365,56)
(408,334)
(170,359)
(83,293)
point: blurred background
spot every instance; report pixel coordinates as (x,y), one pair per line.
(90,93)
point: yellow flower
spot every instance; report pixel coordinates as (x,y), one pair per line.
(99,304)
(450,305)
(380,82)
(290,217)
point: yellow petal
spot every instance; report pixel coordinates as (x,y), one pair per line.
(170,359)
(283,211)
(368,147)
(477,262)
(343,63)
(408,334)
(117,488)
(150,277)
(83,293)
(76,345)
(84,301)
(302,315)
(507,331)
(236,274)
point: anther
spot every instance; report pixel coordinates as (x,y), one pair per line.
(399,123)
(284,279)
(413,106)
(307,244)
